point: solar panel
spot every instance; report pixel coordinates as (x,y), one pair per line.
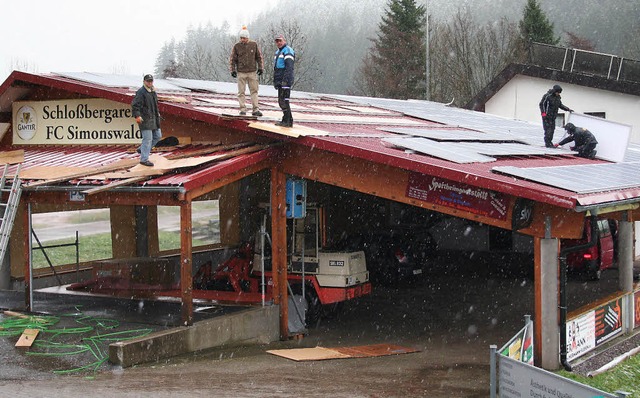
(128,81)
(449,134)
(511,149)
(582,179)
(442,150)
(232,88)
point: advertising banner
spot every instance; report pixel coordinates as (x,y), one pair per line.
(73,122)
(581,336)
(456,195)
(608,320)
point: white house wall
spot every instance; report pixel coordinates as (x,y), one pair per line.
(519,99)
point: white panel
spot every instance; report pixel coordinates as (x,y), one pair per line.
(442,150)
(613,138)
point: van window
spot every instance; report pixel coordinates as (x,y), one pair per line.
(603,228)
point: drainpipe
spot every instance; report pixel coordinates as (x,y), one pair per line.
(563,289)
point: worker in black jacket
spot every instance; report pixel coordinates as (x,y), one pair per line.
(585,142)
(549,105)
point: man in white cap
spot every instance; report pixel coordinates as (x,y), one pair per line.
(244,63)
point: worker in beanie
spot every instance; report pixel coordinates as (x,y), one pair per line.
(549,105)
(585,141)
(246,64)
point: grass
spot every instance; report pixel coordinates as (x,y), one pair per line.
(623,377)
(95,247)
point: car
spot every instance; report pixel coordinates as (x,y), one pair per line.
(593,260)
(395,256)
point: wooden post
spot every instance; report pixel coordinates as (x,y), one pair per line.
(26,230)
(279,247)
(186,265)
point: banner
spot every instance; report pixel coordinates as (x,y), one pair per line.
(72,122)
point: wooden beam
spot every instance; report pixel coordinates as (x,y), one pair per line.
(186,265)
(279,247)
(119,165)
(114,184)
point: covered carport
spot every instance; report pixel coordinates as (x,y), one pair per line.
(410,152)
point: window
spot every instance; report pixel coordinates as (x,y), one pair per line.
(59,229)
(205,218)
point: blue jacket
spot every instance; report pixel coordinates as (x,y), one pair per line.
(283,67)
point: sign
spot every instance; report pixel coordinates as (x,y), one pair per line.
(581,336)
(608,321)
(522,214)
(72,122)
(457,195)
(518,379)
(520,347)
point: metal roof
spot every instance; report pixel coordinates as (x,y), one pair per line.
(355,126)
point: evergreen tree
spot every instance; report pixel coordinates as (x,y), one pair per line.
(535,26)
(395,66)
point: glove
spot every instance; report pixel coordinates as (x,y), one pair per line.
(234,74)
(259,72)
(139,119)
(573,148)
(570,110)
(544,114)
(556,145)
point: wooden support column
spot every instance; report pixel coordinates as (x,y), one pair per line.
(279,247)
(186,264)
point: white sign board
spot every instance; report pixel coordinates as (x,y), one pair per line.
(72,122)
(518,379)
(613,138)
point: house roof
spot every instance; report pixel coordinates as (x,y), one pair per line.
(371,129)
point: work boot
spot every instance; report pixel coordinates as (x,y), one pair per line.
(243,113)
(257,113)
(146,163)
(284,124)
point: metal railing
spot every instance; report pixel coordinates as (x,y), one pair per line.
(586,62)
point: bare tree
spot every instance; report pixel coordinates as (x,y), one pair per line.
(306,70)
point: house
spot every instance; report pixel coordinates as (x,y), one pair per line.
(596,84)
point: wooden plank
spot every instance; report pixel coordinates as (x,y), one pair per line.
(27,338)
(295,131)
(114,185)
(119,165)
(12,157)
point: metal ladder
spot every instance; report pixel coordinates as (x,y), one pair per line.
(9,208)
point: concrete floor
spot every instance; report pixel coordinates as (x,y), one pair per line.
(451,317)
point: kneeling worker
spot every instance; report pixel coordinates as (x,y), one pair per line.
(584,140)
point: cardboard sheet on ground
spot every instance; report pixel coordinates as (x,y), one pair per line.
(321,353)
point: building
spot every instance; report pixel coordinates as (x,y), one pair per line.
(595,84)
(362,158)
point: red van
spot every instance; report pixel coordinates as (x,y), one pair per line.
(598,257)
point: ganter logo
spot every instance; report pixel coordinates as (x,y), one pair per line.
(26,123)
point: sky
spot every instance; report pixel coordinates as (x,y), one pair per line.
(108,36)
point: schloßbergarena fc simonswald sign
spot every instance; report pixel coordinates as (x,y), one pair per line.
(72,122)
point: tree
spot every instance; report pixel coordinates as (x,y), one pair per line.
(581,43)
(395,65)
(535,26)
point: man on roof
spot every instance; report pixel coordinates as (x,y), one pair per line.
(585,142)
(246,64)
(144,108)
(549,105)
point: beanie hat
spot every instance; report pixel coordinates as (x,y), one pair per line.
(557,89)
(244,33)
(570,127)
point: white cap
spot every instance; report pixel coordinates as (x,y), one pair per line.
(244,32)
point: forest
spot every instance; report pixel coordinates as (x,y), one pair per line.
(470,41)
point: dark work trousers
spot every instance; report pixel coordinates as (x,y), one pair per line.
(283,100)
(549,126)
(587,151)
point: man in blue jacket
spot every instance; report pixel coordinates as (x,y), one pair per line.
(145,110)
(283,78)
(549,105)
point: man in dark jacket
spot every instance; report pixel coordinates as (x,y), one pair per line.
(145,109)
(549,105)
(283,78)
(585,142)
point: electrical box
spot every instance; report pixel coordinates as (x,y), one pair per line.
(296,198)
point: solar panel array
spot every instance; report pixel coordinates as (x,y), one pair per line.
(582,179)
(128,81)
(442,150)
(454,134)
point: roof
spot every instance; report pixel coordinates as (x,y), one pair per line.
(434,136)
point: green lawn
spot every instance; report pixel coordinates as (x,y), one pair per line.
(624,377)
(95,247)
